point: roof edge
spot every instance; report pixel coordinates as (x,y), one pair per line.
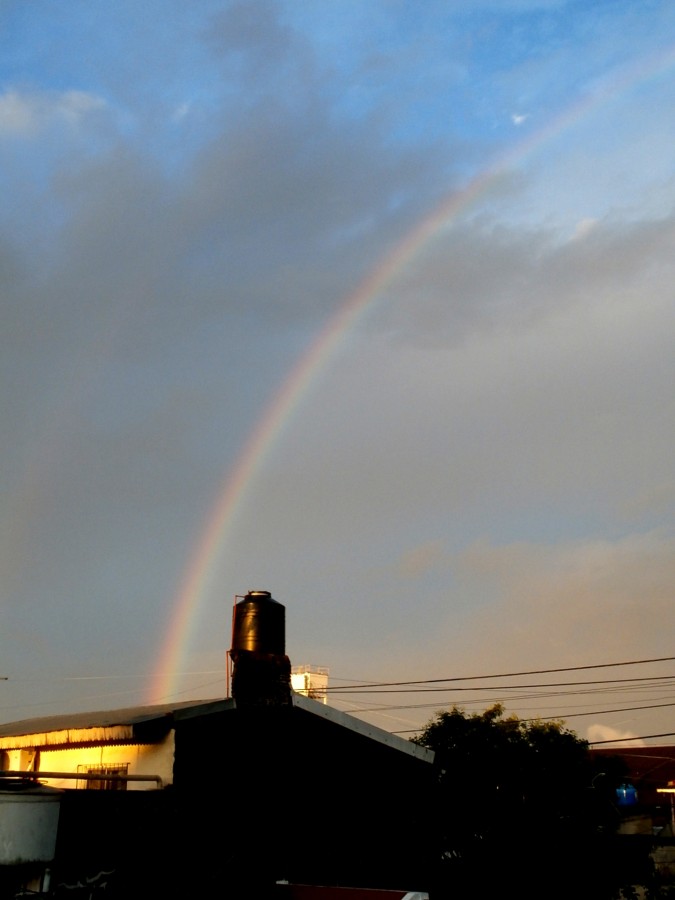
(68,737)
(317,708)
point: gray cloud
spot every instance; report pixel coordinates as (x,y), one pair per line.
(188,206)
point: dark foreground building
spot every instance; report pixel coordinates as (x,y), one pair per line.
(241,797)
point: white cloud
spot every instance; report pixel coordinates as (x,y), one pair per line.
(603,734)
(181,111)
(72,106)
(584,227)
(25,113)
(17,113)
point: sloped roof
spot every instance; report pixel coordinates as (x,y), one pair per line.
(357,726)
(148,724)
(139,723)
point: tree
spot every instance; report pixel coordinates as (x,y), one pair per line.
(518,812)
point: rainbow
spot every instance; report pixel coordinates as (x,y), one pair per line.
(199,573)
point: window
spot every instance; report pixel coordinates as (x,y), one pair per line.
(104,783)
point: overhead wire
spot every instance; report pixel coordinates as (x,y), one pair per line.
(595,712)
(652,688)
(382,684)
(505,693)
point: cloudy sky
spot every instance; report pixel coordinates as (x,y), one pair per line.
(362,302)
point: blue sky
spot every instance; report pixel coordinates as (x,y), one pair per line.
(479,479)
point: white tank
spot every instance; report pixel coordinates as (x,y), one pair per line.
(29,819)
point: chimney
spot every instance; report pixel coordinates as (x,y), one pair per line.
(261,671)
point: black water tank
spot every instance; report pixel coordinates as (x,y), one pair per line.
(259,624)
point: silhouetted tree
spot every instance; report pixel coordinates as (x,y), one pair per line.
(519,811)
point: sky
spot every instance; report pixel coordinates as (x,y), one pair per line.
(365,303)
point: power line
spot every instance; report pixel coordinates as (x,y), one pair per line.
(511,693)
(632,662)
(642,737)
(595,712)
(385,689)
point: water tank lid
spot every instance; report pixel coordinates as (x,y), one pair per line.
(26,786)
(260,597)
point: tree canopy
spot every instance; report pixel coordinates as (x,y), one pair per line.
(517,804)
(523,767)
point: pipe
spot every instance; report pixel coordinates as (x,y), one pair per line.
(81,776)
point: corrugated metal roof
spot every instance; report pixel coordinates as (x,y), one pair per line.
(103,725)
(135,725)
